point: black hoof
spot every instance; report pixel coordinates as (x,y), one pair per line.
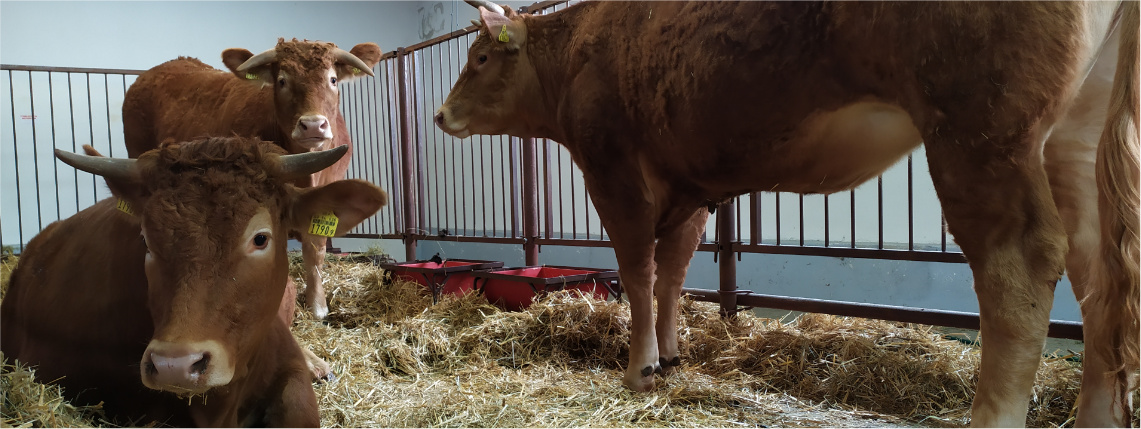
(676,361)
(647,371)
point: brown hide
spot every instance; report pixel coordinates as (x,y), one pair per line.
(184,99)
(90,300)
(669,106)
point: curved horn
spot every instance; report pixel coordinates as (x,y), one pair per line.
(487,5)
(352,60)
(109,168)
(477,23)
(269,56)
(303,164)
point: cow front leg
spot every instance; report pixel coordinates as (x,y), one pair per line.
(672,255)
(1001,214)
(636,267)
(313,256)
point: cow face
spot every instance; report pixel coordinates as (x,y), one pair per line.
(484,98)
(304,77)
(215,215)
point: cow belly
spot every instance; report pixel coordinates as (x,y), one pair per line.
(837,150)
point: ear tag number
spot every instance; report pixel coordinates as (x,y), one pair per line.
(251,76)
(125,207)
(356,70)
(324,224)
(503,34)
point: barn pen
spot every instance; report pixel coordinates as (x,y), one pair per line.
(524,200)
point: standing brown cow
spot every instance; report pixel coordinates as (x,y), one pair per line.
(287,95)
(667,106)
(181,295)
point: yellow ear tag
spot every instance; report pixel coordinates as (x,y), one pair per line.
(125,207)
(251,76)
(324,224)
(503,34)
(356,70)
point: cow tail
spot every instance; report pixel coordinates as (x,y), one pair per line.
(1115,271)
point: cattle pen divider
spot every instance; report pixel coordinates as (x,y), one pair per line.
(516,192)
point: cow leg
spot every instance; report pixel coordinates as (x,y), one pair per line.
(1071,154)
(313,256)
(1001,214)
(672,255)
(320,369)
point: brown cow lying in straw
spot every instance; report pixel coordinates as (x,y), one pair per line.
(177,292)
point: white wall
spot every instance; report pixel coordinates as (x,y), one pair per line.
(142,34)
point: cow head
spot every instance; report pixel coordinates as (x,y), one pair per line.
(215,215)
(304,76)
(484,98)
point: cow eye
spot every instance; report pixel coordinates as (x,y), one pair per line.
(333,80)
(260,241)
(482,59)
(281,82)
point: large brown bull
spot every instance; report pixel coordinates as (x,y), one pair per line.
(181,296)
(287,95)
(669,106)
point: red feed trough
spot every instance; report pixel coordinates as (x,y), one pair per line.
(514,289)
(452,276)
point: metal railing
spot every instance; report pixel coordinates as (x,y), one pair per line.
(500,189)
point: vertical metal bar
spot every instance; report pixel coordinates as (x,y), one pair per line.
(483,185)
(505,181)
(574,205)
(55,165)
(801,220)
(853,195)
(778,218)
(74,147)
(826,222)
(514,188)
(91,132)
(35,146)
(879,182)
(16,162)
(755,218)
(562,212)
(548,218)
(910,208)
(726,263)
(409,225)
(107,105)
(530,205)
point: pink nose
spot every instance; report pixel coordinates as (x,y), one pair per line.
(176,368)
(313,126)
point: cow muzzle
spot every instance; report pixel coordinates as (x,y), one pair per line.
(312,131)
(185,368)
(448,123)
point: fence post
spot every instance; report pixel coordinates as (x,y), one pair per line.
(726,262)
(530,203)
(407,163)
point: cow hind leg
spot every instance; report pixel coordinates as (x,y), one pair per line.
(313,256)
(672,255)
(1071,154)
(1002,216)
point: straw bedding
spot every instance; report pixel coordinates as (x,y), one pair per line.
(401,361)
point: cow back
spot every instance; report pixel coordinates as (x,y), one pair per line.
(76,310)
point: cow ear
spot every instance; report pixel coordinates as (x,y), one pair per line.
(503,30)
(234,57)
(367,52)
(350,201)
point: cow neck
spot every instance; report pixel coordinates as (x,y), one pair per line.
(549,50)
